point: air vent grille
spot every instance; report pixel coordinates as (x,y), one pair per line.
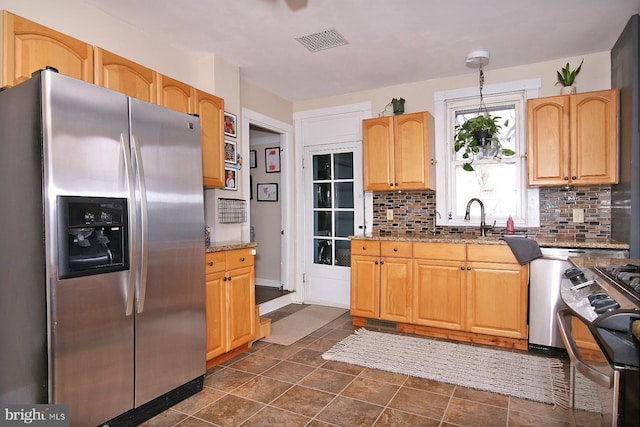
(384,324)
(322,40)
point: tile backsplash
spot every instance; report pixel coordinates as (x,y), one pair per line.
(415,213)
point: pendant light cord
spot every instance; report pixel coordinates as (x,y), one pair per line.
(483,108)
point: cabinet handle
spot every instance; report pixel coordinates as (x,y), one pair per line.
(242,259)
(377,262)
(364,248)
(210,263)
(224,279)
(469,268)
(566,178)
(381,262)
(462,267)
(574,177)
(395,249)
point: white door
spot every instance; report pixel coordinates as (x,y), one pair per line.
(334,210)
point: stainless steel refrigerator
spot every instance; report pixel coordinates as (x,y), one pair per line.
(101,251)
(625,196)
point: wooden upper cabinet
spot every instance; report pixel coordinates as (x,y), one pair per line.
(120,74)
(176,95)
(211,111)
(377,144)
(396,153)
(28,47)
(573,139)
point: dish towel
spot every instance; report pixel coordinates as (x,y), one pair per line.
(525,250)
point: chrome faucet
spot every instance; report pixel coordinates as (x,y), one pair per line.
(483,226)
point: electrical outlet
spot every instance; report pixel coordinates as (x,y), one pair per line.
(578,215)
(389,214)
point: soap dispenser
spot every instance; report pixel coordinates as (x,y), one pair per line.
(510,228)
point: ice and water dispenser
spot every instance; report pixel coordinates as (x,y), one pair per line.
(92,235)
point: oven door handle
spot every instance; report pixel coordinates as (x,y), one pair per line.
(590,372)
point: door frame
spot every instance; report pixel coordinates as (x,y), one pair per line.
(287,195)
(339,124)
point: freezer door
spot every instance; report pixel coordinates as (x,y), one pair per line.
(170,310)
(85,139)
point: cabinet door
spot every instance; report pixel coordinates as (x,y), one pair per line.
(176,95)
(27,47)
(594,137)
(439,293)
(216,314)
(377,154)
(395,289)
(365,286)
(210,108)
(548,140)
(411,151)
(589,349)
(120,74)
(497,299)
(241,302)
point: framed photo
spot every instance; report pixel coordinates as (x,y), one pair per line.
(230,179)
(272,159)
(230,124)
(252,159)
(230,152)
(268,192)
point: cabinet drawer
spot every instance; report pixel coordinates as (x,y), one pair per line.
(215,262)
(396,249)
(239,258)
(365,247)
(443,251)
(491,253)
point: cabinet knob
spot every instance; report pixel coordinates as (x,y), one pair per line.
(377,263)
(395,249)
(469,267)
(381,262)
(242,259)
(566,178)
(574,177)
(224,279)
(364,248)
(210,263)
(462,267)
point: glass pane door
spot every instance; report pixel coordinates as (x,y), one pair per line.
(333,208)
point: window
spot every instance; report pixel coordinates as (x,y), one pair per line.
(333,208)
(501,184)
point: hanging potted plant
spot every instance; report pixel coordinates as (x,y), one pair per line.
(478,134)
(567,78)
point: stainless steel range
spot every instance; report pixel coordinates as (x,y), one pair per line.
(605,295)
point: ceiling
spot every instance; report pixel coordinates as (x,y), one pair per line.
(390,42)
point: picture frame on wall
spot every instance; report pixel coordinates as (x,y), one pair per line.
(230,179)
(272,159)
(267,192)
(252,159)
(230,124)
(230,152)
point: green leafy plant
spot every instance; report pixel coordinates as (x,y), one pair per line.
(476,133)
(567,77)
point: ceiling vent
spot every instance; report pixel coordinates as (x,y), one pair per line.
(322,40)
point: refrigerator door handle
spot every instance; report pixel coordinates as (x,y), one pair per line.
(144,225)
(131,281)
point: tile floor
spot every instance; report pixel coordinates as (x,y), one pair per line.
(275,385)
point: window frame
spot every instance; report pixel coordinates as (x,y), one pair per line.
(516,92)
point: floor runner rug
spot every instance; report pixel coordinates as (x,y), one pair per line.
(301,323)
(531,377)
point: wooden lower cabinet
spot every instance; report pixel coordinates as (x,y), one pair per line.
(439,290)
(230,301)
(471,292)
(381,280)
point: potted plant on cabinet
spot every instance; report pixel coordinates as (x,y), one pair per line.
(567,78)
(480,133)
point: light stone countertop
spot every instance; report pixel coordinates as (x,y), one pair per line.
(229,246)
(495,240)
